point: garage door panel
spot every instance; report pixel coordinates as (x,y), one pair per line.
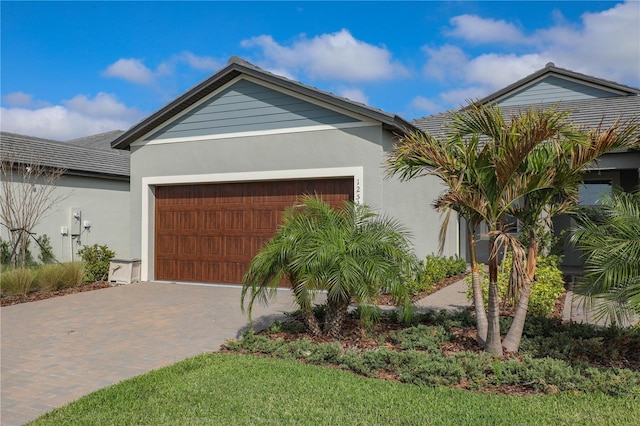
(188,220)
(165,269)
(263,220)
(167,220)
(188,270)
(234,219)
(188,245)
(168,245)
(212,246)
(214,238)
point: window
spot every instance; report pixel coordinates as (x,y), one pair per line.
(591,192)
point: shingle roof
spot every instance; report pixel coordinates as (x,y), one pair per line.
(99,141)
(586,112)
(237,67)
(550,68)
(75,159)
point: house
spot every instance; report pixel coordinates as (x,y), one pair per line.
(594,102)
(212,170)
(92,193)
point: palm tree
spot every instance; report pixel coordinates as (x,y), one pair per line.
(609,236)
(349,252)
(568,159)
(489,178)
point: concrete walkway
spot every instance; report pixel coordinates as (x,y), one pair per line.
(451,298)
(56,350)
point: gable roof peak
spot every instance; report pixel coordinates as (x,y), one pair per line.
(237,67)
(551,69)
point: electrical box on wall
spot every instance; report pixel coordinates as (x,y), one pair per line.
(75,225)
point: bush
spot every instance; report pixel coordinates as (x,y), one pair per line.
(72,275)
(17,281)
(5,252)
(434,269)
(50,277)
(547,286)
(96,259)
(46,251)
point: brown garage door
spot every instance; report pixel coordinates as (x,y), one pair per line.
(209,233)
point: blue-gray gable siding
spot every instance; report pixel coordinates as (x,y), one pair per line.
(247,106)
(554,89)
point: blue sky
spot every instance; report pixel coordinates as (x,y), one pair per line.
(71,69)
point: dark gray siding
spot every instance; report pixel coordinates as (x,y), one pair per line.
(247,106)
(554,89)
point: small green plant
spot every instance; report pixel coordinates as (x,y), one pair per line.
(96,259)
(547,286)
(46,251)
(50,277)
(5,252)
(17,281)
(434,269)
(72,275)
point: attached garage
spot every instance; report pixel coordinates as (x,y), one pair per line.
(212,171)
(210,232)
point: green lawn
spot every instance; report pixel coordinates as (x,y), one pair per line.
(230,389)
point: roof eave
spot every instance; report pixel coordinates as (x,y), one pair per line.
(552,69)
(233,70)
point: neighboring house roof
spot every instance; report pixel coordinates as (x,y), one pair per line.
(76,160)
(586,112)
(99,141)
(237,67)
(551,70)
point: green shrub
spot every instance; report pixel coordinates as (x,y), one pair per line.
(17,281)
(547,286)
(72,275)
(46,251)
(96,259)
(5,252)
(434,269)
(422,337)
(50,277)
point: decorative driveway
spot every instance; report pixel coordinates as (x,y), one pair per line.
(56,350)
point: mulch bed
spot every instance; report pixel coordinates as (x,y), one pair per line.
(41,295)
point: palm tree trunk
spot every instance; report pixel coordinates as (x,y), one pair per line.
(476,285)
(494,344)
(336,313)
(312,323)
(511,342)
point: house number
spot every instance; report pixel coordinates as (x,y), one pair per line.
(358,195)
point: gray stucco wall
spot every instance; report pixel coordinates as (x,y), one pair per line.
(355,147)
(103,202)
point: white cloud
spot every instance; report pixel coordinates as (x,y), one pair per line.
(495,71)
(445,63)
(329,56)
(201,63)
(18,99)
(135,71)
(603,44)
(354,94)
(77,117)
(458,97)
(482,30)
(129,69)
(424,104)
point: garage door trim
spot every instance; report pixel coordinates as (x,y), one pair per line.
(148,199)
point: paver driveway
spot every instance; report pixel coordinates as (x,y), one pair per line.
(57,350)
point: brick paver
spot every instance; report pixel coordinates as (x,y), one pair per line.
(57,350)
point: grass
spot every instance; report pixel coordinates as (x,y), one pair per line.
(240,389)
